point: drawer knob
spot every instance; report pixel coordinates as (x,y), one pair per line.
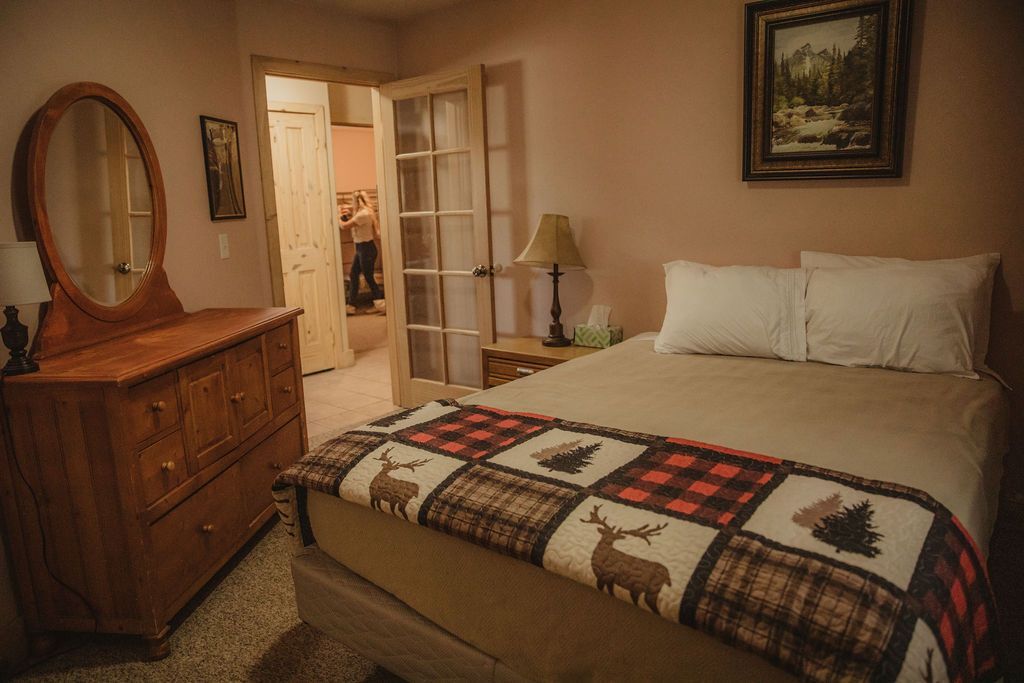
(282,345)
(286,390)
(275,466)
(238,398)
(159,406)
(524,372)
(167,466)
(207,528)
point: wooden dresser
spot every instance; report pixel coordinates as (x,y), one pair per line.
(146,462)
(139,457)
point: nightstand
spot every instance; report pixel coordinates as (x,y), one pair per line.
(509,359)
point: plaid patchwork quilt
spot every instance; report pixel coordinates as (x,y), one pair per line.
(827,575)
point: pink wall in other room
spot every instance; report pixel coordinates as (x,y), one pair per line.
(355,165)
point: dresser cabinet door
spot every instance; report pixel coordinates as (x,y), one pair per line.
(196,534)
(262,465)
(210,430)
(250,387)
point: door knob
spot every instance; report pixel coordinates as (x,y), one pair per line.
(206,528)
(238,398)
(159,406)
(124,268)
(483,271)
(167,466)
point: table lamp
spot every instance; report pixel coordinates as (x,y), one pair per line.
(552,245)
(21,282)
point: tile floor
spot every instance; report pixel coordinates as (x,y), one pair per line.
(347,397)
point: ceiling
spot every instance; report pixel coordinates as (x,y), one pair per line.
(387,10)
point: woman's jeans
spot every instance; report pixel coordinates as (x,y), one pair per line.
(366,256)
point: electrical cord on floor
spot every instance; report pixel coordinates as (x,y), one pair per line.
(9,445)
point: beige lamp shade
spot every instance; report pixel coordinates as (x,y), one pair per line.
(552,243)
(21,275)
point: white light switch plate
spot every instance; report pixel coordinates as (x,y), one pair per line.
(225,249)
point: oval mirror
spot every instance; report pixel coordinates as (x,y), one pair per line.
(99,202)
(96,195)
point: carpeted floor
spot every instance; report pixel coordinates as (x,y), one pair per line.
(242,627)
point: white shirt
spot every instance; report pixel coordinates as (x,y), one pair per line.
(362,230)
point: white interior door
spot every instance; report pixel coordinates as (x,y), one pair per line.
(306,225)
(433,163)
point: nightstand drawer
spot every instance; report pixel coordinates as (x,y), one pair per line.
(513,369)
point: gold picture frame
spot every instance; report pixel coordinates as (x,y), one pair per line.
(825,87)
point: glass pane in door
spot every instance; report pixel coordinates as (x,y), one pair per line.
(412,124)
(425,355)
(416,192)
(464,360)
(451,120)
(139,196)
(454,182)
(418,248)
(421,300)
(460,302)
(456,242)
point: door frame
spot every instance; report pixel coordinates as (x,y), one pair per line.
(263,66)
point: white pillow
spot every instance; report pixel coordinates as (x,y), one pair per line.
(983,312)
(734,311)
(906,317)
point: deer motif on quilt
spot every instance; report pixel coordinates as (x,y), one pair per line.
(612,567)
(385,489)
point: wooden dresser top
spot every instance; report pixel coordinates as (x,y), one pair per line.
(138,356)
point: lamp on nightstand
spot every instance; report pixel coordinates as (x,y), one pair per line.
(21,282)
(552,245)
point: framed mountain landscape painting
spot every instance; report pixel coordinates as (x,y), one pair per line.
(825,88)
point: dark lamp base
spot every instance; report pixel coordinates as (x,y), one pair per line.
(15,336)
(20,366)
(556,341)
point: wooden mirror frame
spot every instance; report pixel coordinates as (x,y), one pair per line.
(73,319)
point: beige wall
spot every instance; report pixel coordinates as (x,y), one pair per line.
(628,118)
(350,105)
(172,61)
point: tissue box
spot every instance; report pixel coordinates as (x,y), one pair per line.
(598,337)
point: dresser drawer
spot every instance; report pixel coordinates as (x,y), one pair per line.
(510,369)
(262,464)
(283,391)
(193,536)
(162,467)
(150,408)
(279,347)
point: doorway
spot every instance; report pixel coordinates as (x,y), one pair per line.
(325,176)
(429,148)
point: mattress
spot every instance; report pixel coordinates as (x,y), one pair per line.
(940,434)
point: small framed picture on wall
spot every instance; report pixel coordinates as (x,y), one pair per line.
(223,168)
(825,85)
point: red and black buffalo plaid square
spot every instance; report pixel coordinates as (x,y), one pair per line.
(472,432)
(692,481)
(957,600)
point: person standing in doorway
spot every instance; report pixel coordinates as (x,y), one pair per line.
(364,226)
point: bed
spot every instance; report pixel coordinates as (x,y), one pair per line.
(427,605)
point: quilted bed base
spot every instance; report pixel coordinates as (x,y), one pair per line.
(372,622)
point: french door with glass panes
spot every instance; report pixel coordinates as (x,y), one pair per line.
(436,220)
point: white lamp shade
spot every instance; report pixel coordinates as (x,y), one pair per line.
(21,275)
(552,243)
